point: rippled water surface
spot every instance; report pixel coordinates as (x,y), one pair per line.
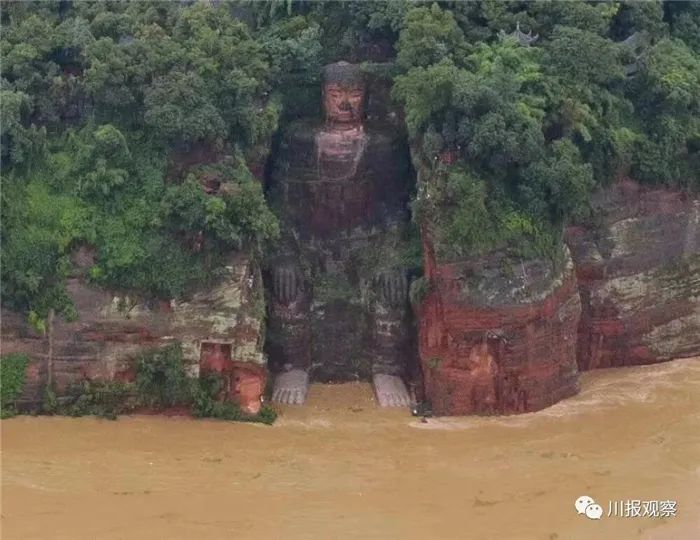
(342,468)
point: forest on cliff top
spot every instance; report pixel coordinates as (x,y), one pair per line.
(531,104)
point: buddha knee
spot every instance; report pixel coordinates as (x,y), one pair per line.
(287,284)
(391,288)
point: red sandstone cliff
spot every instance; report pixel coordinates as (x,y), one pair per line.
(497,336)
(638,268)
(492,343)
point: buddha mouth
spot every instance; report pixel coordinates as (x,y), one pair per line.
(343,115)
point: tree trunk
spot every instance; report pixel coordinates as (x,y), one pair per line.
(49,356)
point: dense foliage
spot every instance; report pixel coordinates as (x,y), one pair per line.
(106,399)
(102,101)
(99,100)
(13,369)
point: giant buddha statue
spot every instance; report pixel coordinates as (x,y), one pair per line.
(338,307)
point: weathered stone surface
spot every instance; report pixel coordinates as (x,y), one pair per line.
(289,334)
(390,339)
(497,342)
(111,329)
(638,269)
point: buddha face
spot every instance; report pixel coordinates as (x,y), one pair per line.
(343,104)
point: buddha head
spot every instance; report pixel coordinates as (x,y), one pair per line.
(343,94)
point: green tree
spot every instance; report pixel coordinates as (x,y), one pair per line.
(36,237)
(19,143)
(666,97)
(428,36)
(179,110)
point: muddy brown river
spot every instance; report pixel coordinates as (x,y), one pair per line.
(340,468)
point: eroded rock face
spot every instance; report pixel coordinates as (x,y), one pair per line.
(496,339)
(638,269)
(219,328)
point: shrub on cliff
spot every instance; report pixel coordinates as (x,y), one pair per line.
(105,399)
(667,99)
(206,402)
(162,381)
(13,368)
(238,216)
(161,378)
(93,188)
(20,142)
(39,226)
(429,35)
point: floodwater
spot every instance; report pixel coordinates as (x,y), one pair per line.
(340,468)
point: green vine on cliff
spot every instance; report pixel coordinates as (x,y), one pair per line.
(419,290)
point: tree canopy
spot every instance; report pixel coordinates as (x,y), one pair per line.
(536,120)
(515,110)
(97,99)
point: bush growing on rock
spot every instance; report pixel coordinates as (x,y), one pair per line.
(13,369)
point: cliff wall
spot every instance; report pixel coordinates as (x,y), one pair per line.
(111,329)
(495,341)
(638,269)
(498,336)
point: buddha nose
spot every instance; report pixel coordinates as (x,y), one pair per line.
(345,106)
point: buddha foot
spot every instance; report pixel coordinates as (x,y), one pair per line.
(291,387)
(391,391)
